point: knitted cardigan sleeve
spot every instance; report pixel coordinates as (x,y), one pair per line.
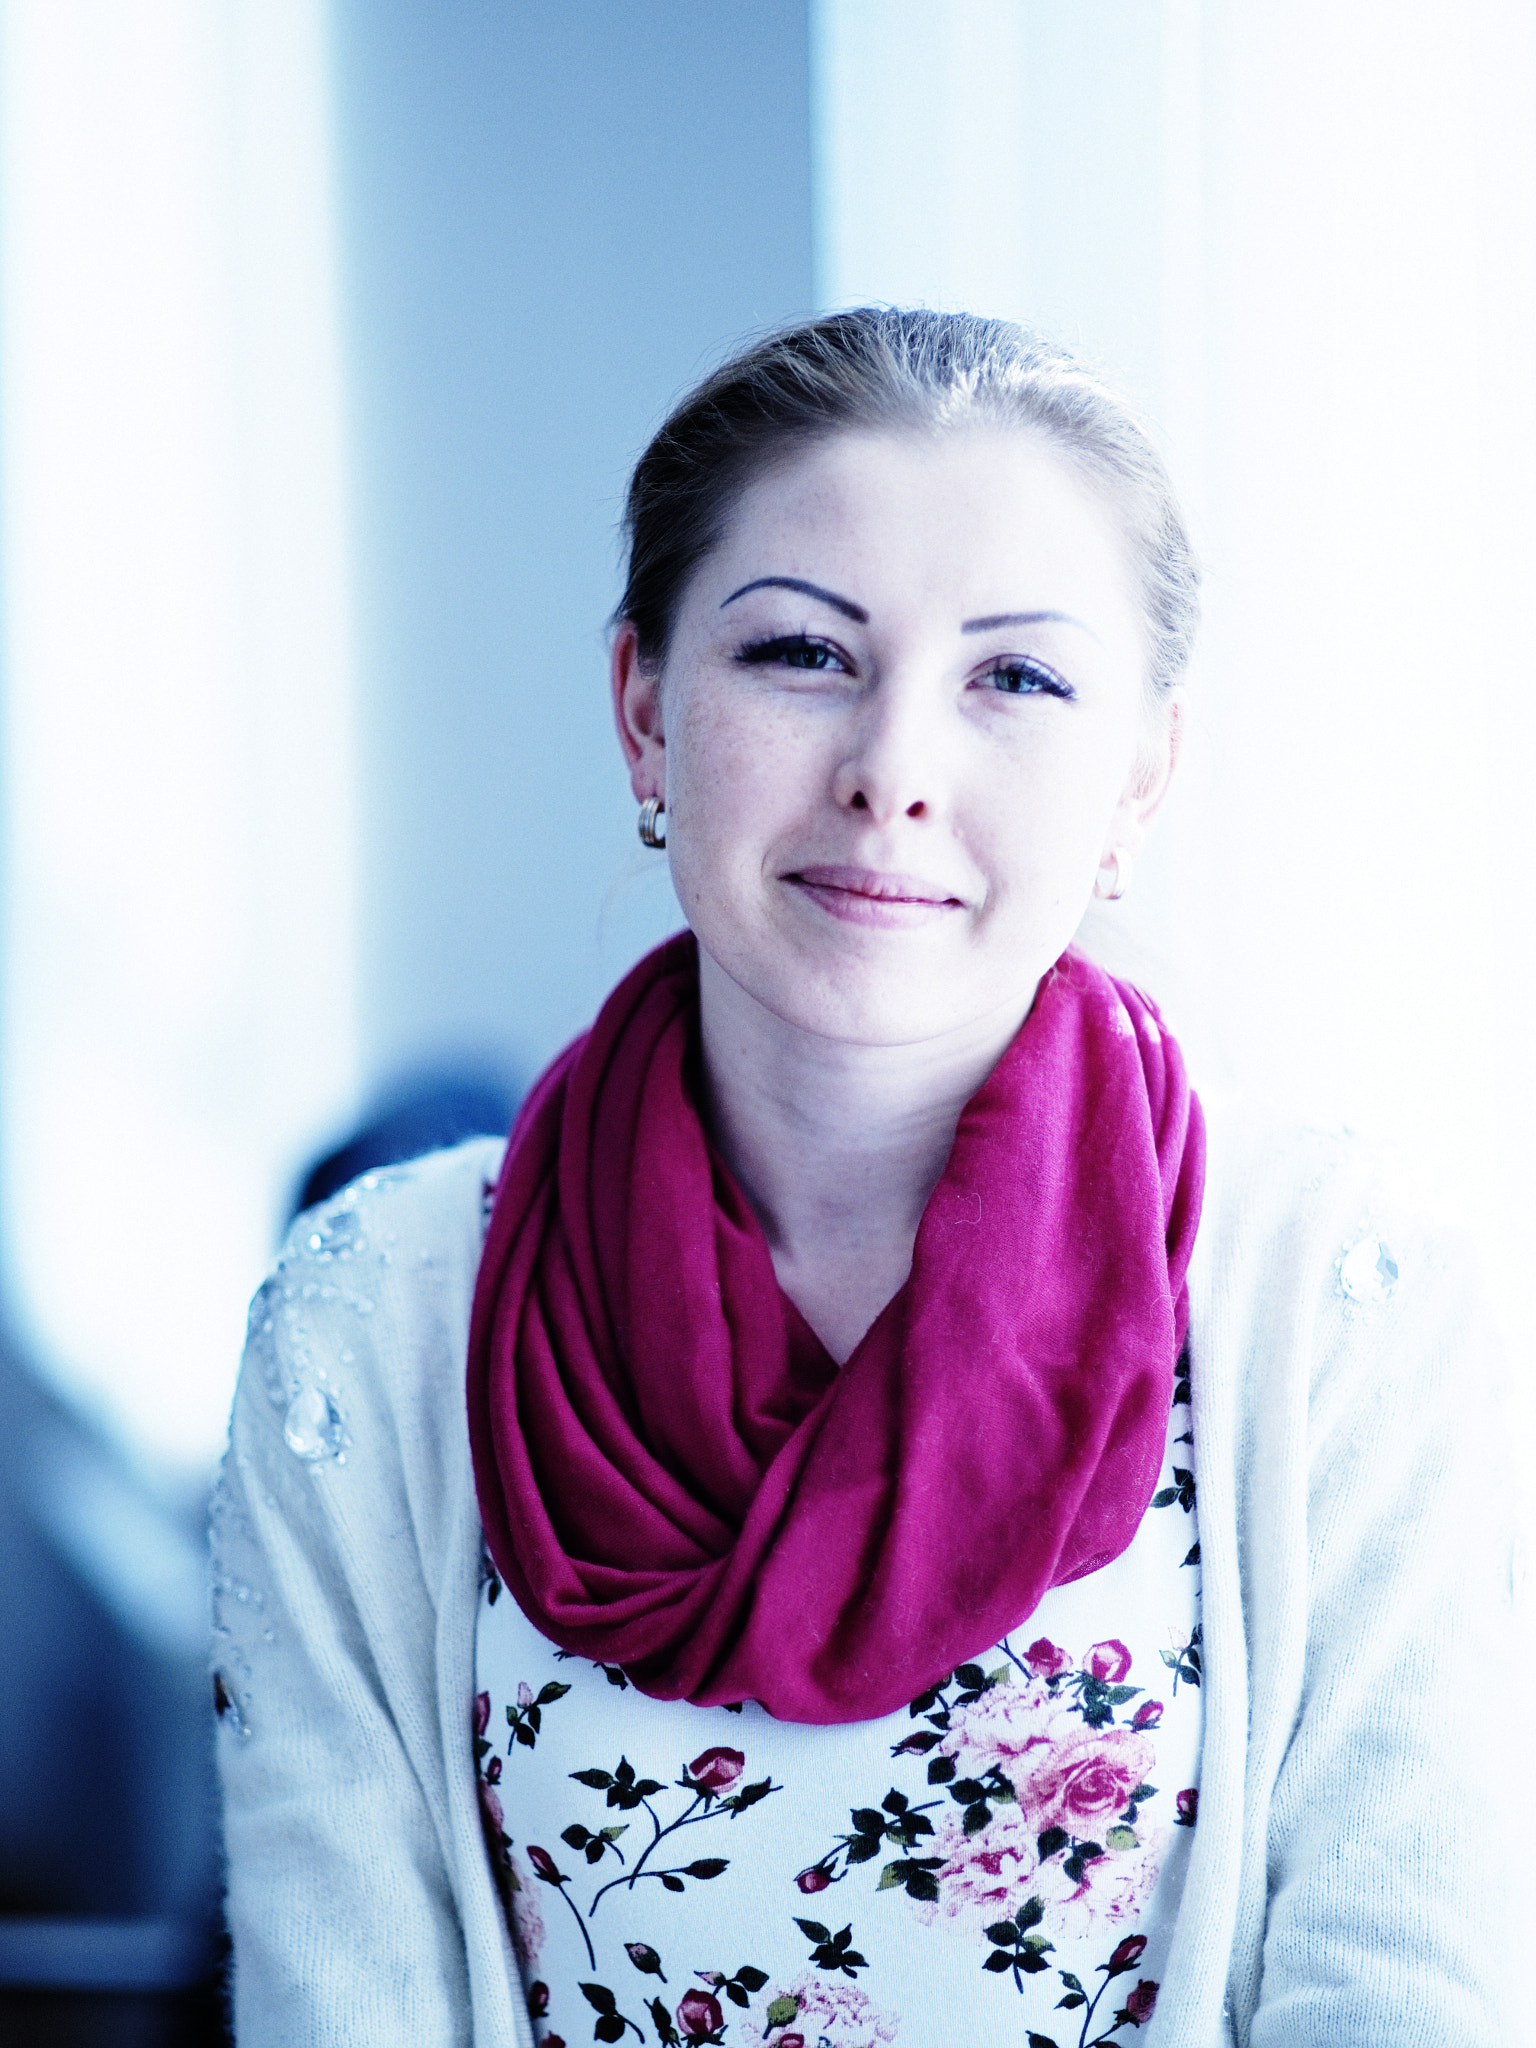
(1387,1879)
(1375,1526)
(359,1896)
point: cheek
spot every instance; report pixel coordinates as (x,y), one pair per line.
(1040,830)
(736,775)
(732,798)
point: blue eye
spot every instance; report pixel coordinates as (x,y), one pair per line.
(792,650)
(1028,679)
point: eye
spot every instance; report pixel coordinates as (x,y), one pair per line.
(792,650)
(1028,677)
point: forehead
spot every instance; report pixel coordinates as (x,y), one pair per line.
(979,516)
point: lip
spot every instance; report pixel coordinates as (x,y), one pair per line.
(873,896)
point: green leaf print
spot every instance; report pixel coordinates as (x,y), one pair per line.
(833,1951)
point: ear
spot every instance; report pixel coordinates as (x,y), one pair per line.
(637,713)
(1156,759)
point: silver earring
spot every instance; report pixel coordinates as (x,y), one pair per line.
(652,831)
(1117,887)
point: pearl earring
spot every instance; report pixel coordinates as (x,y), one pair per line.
(1117,888)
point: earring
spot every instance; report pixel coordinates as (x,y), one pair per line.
(648,824)
(1117,887)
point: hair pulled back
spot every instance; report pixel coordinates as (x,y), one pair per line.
(893,368)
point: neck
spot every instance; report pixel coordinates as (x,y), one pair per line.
(836,1146)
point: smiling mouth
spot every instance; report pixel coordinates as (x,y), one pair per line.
(869,897)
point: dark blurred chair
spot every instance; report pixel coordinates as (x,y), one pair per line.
(110,1925)
(109,1880)
(421,1113)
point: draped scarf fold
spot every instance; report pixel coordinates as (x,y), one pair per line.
(673,1476)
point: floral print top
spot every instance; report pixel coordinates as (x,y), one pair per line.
(1001,1860)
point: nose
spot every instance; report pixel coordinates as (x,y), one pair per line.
(892,763)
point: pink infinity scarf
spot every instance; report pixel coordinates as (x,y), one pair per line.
(672,1474)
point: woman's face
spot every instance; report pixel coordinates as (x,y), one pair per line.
(900,725)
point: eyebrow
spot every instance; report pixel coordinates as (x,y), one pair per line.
(991,624)
(998,619)
(845,605)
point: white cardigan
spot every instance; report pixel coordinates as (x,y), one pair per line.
(1349,1881)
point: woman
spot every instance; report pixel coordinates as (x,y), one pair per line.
(800,1624)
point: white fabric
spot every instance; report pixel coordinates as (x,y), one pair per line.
(1350,1873)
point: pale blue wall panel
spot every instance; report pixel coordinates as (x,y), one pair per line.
(556,216)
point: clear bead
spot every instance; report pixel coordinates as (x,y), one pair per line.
(1367,1271)
(313,1428)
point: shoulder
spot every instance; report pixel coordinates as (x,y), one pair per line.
(395,1250)
(438,1201)
(358,1337)
(1340,1323)
(1317,1222)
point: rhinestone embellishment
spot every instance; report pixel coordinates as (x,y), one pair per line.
(1368,1271)
(312,1428)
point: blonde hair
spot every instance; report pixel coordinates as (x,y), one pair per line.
(894,368)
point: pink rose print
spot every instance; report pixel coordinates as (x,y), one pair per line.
(1111,1893)
(1005,1729)
(528,1930)
(826,2015)
(1186,1806)
(542,1861)
(1109,1661)
(482,1712)
(491,1814)
(1140,2004)
(816,1879)
(717,1770)
(525,1694)
(1148,1714)
(493,1771)
(1045,1659)
(699,2014)
(1128,1954)
(1081,1782)
(985,1876)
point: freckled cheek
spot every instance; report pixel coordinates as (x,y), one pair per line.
(738,780)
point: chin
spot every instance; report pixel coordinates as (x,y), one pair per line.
(870,1010)
(874,988)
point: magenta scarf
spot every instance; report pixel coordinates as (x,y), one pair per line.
(675,1477)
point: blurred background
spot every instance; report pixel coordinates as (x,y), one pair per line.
(328,332)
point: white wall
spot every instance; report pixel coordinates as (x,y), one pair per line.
(1305,236)
(177,881)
